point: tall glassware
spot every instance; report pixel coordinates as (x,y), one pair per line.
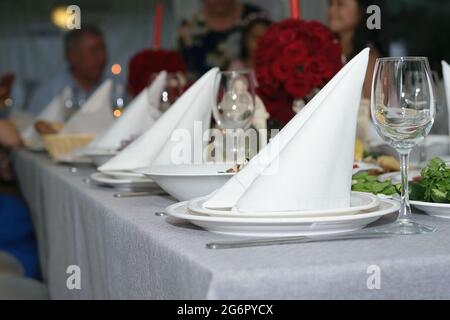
(403,111)
(234,107)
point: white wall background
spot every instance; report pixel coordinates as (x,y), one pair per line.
(31,46)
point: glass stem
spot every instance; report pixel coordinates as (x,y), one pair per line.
(405,209)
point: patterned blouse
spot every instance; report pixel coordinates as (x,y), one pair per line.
(203,48)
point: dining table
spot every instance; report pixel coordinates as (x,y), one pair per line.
(121,249)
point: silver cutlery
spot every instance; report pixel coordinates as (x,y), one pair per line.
(294,240)
(133,194)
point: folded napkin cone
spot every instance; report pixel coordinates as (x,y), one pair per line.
(140,115)
(308,165)
(95,116)
(156,146)
(53,112)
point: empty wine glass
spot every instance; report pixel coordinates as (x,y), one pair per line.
(234,106)
(73,102)
(173,89)
(403,111)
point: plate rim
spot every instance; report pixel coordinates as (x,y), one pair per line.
(117,181)
(181,174)
(349,210)
(363,215)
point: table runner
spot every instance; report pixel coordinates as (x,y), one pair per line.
(124,251)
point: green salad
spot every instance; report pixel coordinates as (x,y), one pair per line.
(434,183)
(364,182)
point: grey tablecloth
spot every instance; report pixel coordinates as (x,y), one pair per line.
(125,251)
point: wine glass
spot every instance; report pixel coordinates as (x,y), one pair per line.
(403,111)
(73,102)
(173,89)
(234,106)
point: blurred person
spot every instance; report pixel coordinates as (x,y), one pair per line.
(212,37)
(251,33)
(86,56)
(16,229)
(347,19)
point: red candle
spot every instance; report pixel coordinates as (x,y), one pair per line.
(295,9)
(157,26)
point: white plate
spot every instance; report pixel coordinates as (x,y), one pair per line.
(99,156)
(125,175)
(441,210)
(185,182)
(395,177)
(103,179)
(272,227)
(359,201)
(73,160)
(363,166)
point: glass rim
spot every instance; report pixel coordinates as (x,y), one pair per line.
(403,58)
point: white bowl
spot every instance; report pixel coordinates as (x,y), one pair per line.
(186,182)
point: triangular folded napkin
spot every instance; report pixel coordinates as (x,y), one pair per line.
(188,115)
(139,116)
(446,74)
(54,112)
(308,165)
(95,116)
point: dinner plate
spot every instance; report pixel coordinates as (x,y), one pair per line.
(359,201)
(73,160)
(283,226)
(364,166)
(125,175)
(441,210)
(99,156)
(395,176)
(125,184)
(186,182)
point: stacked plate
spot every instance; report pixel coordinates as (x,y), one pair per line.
(99,156)
(364,209)
(123,180)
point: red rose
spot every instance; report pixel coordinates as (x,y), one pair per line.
(281,69)
(292,58)
(298,87)
(148,62)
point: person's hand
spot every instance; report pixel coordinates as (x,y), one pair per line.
(9,136)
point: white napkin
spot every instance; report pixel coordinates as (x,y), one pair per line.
(95,116)
(308,165)
(140,115)
(158,144)
(54,112)
(446,74)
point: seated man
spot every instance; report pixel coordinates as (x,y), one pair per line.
(86,57)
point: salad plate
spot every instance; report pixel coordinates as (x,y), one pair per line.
(359,201)
(441,210)
(283,226)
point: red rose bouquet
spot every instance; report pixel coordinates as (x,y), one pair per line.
(147,63)
(293,59)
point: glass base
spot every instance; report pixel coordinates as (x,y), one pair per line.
(405,227)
